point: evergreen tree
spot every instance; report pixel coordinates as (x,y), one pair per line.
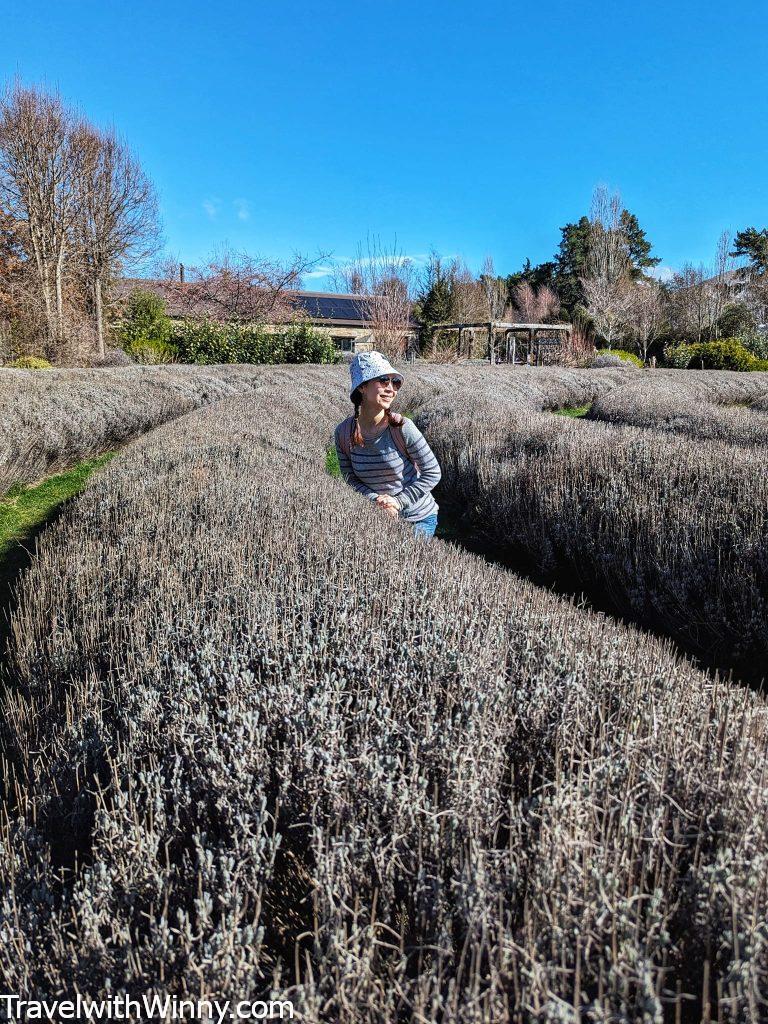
(573,252)
(753,244)
(571,263)
(638,246)
(435,299)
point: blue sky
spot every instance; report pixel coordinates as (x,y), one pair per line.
(472,129)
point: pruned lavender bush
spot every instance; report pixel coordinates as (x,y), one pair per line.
(49,424)
(533,387)
(726,387)
(682,405)
(600,362)
(669,531)
(263,739)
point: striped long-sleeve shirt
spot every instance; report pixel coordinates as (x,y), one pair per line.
(378,468)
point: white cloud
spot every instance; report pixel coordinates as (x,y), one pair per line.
(212,207)
(661,273)
(319,272)
(243,208)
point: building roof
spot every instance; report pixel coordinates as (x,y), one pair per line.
(328,308)
(340,308)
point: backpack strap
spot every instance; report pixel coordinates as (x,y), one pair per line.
(345,435)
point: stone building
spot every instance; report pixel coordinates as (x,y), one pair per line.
(341,316)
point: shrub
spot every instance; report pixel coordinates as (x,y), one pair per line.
(210,342)
(605,361)
(116,357)
(709,406)
(724,354)
(678,356)
(735,319)
(755,342)
(609,357)
(30,363)
(655,524)
(304,344)
(145,320)
(151,352)
(53,420)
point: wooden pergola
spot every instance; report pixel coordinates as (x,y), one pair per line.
(493,327)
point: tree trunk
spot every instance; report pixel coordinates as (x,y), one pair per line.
(98,305)
(42,262)
(59,297)
(48,303)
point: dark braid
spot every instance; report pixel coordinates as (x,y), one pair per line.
(357,401)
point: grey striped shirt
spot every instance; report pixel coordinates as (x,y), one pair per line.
(378,468)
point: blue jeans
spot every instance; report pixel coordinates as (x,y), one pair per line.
(426,526)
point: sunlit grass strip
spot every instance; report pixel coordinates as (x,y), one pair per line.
(574,411)
(23,508)
(332,461)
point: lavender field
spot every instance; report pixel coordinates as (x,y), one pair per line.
(256,738)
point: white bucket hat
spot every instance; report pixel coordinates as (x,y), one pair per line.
(367,366)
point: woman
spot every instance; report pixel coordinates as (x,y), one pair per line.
(383,455)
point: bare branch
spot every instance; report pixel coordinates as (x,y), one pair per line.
(117,217)
(384,279)
(39,166)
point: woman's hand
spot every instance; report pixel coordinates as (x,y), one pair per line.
(389,501)
(389,504)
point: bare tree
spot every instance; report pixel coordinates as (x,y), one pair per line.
(12,263)
(693,303)
(469,303)
(645,314)
(608,282)
(525,303)
(494,291)
(117,216)
(384,278)
(534,305)
(355,283)
(609,303)
(755,297)
(40,162)
(240,287)
(699,294)
(608,250)
(724,264)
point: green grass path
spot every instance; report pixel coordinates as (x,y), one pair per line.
(25,507)
(574,411)
(24,513)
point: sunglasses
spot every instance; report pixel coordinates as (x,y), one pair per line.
(394,381)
